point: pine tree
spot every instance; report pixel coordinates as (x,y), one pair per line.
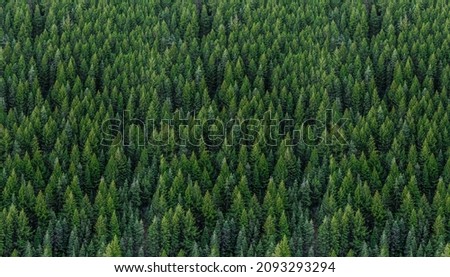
(282,248)
(113,248)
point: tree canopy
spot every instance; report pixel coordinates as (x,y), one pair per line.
(376,185)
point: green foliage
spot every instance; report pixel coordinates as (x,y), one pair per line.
(72,185)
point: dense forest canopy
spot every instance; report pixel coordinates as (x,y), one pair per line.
(67,67)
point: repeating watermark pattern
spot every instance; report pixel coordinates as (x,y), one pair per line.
(214,132)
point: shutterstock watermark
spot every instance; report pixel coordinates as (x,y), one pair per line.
(214,132)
